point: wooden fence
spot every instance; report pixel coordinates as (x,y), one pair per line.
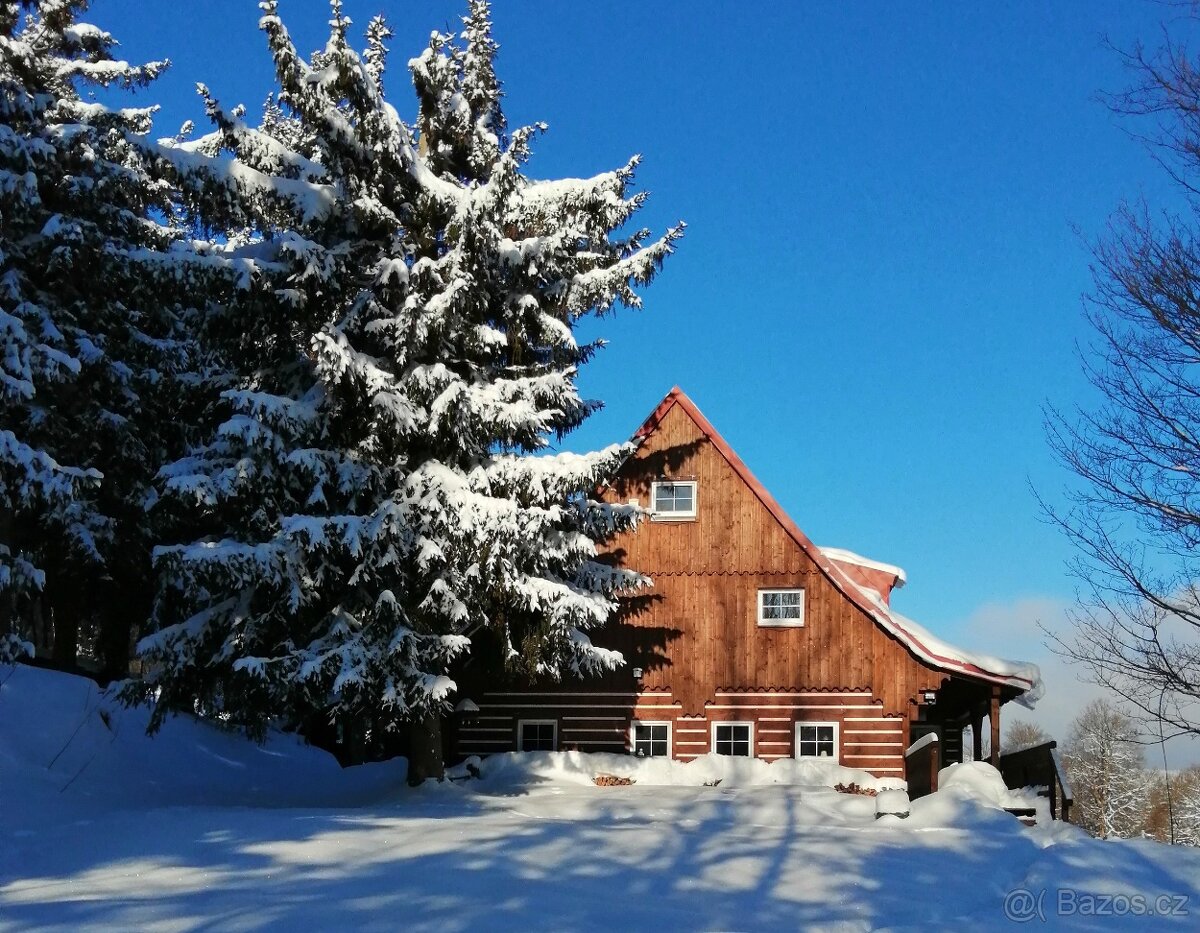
(1040,766)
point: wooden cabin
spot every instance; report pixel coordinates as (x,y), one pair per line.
(752,640)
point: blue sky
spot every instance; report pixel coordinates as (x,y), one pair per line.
(888,207)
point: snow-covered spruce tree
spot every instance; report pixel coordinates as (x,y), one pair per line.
(380,494)
(91,297)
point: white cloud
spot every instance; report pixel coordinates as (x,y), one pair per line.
(1014,630)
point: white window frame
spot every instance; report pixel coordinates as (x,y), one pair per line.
(782,623)
(713,736)
(837,741)
(522,723)
(673,516)
(650,722)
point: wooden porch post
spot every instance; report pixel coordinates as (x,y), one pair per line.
(977,737)
(994,717)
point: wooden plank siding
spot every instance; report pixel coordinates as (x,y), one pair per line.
(696,637)
(707,573)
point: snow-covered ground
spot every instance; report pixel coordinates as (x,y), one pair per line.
(106,829)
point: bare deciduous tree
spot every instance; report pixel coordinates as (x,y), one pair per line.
(1105,764)
(1187,814)
(1022,734)
(1175,808)
(1135,515)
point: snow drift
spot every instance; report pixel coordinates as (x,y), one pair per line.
(516,768)
(199,829)
(66,745)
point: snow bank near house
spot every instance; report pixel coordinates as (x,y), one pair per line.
(517,768)
(979,782)
(67,746)
(893,802)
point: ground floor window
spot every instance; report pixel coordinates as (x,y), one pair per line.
(538,735)
(652,739)
(817,740)
(733,738)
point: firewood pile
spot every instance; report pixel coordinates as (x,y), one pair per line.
(611,780)
(853,788)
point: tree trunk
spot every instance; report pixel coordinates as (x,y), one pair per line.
(112,644)
(65,606)
(41,635)
(425,760)
(8,614)
(128,600)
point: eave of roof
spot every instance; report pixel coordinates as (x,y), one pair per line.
(921,644)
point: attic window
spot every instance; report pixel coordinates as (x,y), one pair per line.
(781,608)
(670,500)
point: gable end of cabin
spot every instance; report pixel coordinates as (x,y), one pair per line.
(751,641)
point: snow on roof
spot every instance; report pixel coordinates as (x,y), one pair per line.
(849,557)
(1022,676)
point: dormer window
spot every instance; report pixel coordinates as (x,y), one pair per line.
(672,500)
